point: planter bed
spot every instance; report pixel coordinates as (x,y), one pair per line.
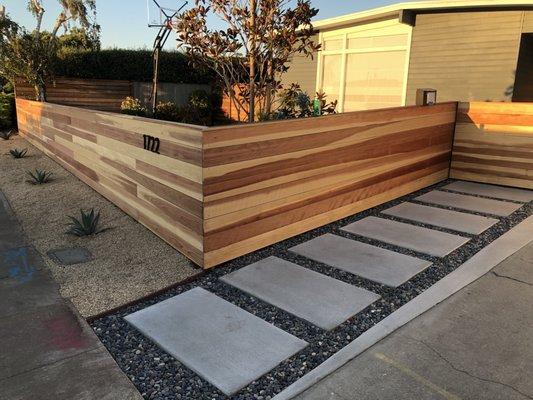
(218,193)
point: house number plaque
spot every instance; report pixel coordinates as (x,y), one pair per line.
(151,143)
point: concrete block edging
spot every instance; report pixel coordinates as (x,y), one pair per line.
(473,269)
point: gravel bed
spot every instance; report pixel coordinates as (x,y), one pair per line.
(158,376)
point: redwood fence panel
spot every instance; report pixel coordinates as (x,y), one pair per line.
(163,191)
(494,143)
(97,94)
(219,193)
(266,182)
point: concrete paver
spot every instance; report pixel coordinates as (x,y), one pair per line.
(224,344)
(458,221)
(498,192)
(317,298)
(412,237)
(470,203)
(371,262)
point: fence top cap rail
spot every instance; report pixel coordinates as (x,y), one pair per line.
(323,117)
(236,126)
(114,114)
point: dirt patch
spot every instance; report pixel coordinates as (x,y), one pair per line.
(130,262)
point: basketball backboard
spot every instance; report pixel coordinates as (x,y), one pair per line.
(160,12)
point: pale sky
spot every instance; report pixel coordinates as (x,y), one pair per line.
(124,22)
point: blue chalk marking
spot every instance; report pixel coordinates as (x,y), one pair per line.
(20,268)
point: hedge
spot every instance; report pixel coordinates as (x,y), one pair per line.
(7,111)
(130,65)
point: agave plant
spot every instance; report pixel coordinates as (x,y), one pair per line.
(39,177)
(17,153)
(87,225)
(6,134)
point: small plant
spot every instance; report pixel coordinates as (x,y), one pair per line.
(167,111)
(17,153)
(39,177)
(6,134)
(133,106)
(87,225)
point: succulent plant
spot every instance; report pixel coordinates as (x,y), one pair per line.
(6,134)
(39,177)
(86,225)
(17,153)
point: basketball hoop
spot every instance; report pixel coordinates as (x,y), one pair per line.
(160,15)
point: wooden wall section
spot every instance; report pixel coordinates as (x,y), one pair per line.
(494,143)
(96,94)
(106,151)
(219,193)
(267,182)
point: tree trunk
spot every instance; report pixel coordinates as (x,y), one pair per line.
(251,107)
(40,92)
(269,100)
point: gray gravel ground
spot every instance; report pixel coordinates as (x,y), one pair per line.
(130,262)
(159,376)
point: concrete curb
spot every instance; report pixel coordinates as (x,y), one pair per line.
(481,263)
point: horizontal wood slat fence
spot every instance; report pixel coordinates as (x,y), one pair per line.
(494,143)
(106,151)
(97,94)
(219,193)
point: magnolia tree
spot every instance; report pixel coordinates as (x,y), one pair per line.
(30,55)
(251,53)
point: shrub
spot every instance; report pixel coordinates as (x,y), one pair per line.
(201,101)
(7,111)
(87,225)
(133,106)
(17,153)
(295,103)
(130,65)
(39,177)
(168,111)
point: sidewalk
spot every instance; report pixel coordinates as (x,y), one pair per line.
(475,345)
(47,351)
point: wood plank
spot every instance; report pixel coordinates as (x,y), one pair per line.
(494,143)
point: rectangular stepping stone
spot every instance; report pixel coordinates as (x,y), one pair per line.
(498,192)
(222,343)
(412,237)
(370,262)
(458,221)
(317,298)
(470,203)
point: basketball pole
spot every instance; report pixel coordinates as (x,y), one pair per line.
(159,43)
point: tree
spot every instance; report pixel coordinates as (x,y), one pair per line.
(31,55)
(253,50)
